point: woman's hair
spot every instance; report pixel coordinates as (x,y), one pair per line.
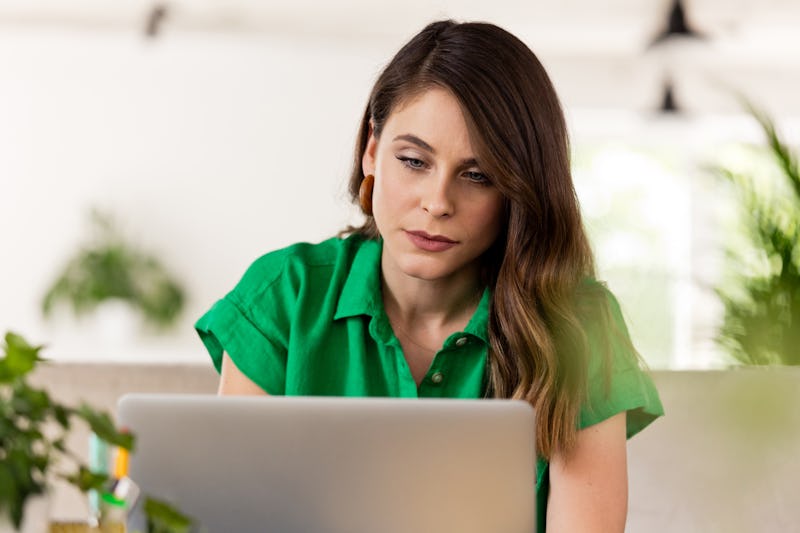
(540,263)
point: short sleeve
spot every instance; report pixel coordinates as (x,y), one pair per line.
(618,382)
(251,325)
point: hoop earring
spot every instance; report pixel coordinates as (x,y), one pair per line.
(365,194)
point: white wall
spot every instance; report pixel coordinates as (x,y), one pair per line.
(209,149)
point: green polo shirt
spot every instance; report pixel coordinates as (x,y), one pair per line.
(309,320)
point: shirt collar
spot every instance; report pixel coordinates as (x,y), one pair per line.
(479,323)
(361,293)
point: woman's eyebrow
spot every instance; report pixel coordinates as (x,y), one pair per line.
(413,139)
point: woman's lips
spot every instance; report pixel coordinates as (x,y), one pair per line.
(430,243)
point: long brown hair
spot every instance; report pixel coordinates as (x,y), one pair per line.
(538,267)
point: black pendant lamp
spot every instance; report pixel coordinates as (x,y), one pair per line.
(676,26)
(155,21)
(668,103)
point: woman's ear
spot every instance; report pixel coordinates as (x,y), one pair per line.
(368,159)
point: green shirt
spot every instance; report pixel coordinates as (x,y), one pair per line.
(309,320)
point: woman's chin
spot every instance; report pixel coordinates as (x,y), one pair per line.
(427,269)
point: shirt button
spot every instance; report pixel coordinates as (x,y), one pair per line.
(461,341)
(437,377)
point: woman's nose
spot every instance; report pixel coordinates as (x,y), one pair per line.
(437,197)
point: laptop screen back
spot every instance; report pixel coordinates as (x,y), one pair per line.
(337,465)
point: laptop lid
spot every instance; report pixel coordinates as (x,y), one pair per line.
(338,465)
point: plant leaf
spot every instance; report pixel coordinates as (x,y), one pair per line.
(20,358)
(87,480)
(780,149)
(162,517)
(101,423)
(61,414)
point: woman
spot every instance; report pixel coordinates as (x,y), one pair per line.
(471,277)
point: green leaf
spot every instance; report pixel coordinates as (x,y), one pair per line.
(20,358)
(9,495)
(21,466)
(61,414)
(87,480)
(162,517)
(30,403)
(15,490)
(102,424)
(780,151)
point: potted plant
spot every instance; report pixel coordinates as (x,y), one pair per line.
(109,268)
(762,296)
(33,432)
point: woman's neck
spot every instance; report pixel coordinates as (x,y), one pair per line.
(431,304)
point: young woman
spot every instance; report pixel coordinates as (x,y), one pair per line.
(471,277)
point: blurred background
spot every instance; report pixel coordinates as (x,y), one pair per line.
(150,151)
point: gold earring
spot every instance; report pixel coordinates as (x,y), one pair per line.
(365,194)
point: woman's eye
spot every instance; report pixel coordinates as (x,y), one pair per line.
(412,163)
(478,177)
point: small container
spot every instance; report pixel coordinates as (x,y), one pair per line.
(71,527)
(113,514)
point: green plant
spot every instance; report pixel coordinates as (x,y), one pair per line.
(762,300)
(33,432)
(109,267)
(30,449)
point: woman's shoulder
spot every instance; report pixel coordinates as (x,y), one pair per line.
(617,376)
(603,322)
(299,261)
(595,301)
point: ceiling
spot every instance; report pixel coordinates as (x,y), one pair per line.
(597,52)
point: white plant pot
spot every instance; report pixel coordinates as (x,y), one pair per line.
(115,324)
(113,327)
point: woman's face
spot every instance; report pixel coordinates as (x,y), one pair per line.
(435,209)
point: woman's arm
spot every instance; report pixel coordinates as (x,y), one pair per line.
(233,382)
(589,489)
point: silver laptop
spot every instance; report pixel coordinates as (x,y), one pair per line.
(336,465)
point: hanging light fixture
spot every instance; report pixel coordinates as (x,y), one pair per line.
(676,26)
(668,103)
(155,20)
(671,43)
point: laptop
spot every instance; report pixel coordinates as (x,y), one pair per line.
(335,465)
